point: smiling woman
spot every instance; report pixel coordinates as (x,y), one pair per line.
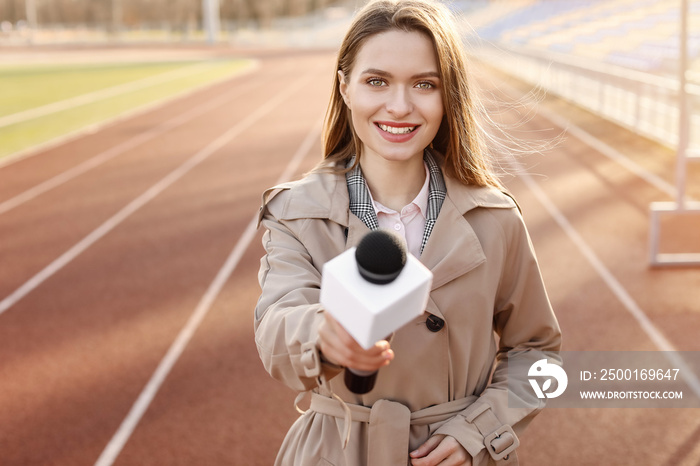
(42,103)
(396,106)
(403,151)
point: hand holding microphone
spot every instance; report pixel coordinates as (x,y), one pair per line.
(370,291)
(339,347)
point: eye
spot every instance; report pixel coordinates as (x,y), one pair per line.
(375,82)
(425,85)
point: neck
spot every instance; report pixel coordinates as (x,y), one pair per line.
(393,184)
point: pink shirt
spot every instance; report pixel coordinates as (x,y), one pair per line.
(410,222)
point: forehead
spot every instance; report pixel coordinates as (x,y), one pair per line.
(398,52)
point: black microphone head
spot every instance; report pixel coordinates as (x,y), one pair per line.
(380,256)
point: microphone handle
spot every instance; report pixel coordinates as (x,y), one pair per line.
(360,382)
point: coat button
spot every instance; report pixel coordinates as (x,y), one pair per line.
(434,323)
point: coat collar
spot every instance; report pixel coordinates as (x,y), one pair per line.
(453,249)
(325,195)
(318,195)
(361,204)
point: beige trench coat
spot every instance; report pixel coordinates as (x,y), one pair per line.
(487,292)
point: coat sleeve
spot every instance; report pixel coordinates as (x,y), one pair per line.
(288,313)
(528,331)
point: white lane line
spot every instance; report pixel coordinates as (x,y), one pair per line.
(102,94)
(114,151)
(595,143)
(608,151)
(149,195)
(654,334)
(116,444)
(618,290)
(92,128)
(37,149)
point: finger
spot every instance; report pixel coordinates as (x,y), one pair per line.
(447,453)
(362,360)
(428,446)
(371,359)
(346,339)
(340,348)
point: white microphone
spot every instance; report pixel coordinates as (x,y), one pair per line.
(372,291)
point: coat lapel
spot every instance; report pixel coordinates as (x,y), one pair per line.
(356,230)
(453,248)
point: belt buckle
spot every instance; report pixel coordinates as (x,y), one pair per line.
(498,452)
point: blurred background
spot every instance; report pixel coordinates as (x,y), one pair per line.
(621,58)
(136,137)
(49,21)
(633,62)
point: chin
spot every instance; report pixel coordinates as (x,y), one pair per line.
(403,156)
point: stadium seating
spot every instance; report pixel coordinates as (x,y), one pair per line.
(638,34)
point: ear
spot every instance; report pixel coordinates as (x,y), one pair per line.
(343,86)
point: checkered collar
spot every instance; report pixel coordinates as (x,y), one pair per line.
(361,201)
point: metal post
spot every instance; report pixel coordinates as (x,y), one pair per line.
(30,9)
(639,87)
(117,13)
(210,14)
(683,118)
(681,206)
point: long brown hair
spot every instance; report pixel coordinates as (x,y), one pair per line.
(460,138)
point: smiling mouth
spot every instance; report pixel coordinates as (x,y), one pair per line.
(395,130)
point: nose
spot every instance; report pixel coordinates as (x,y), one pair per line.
(399,102)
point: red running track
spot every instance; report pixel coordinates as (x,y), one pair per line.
(126,327)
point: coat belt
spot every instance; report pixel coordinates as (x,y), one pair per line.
(389,423)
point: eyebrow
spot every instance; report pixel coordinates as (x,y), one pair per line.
(386,74)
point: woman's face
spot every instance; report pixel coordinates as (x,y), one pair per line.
(394,95)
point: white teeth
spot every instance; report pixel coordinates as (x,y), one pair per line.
(392,130)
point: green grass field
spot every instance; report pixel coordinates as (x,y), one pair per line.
(23,88)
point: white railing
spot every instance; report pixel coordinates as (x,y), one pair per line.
(646,104)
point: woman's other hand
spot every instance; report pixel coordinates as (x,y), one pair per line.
(339,347)
(443,450)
